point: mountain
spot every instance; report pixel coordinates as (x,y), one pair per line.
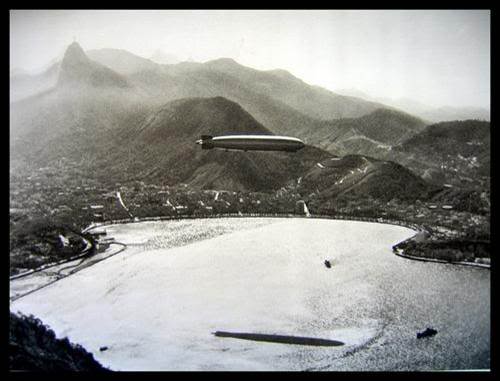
(283,87)
(424,111)
(455,152)
(268,96)
(96,64)
(87,103)
(284,104)
(275,98)
(373,134)
(225,77)
(164,149)
(115,134)
(449,113)
(143,125)
(121,61)
(355,176)
(78,69)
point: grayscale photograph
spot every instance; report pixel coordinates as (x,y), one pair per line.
(249,190)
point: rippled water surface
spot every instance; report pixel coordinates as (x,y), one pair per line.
(157,304)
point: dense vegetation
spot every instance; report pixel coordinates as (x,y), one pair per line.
(34,347)
(454,152)
(37,241)
(449,250)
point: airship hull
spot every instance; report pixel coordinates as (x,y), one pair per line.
(252,143)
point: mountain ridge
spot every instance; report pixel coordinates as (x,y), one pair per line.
(77,67)
(457,152)
(431,114)
(120,128)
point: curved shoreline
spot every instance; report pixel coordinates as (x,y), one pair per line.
(14,298)
(367,291)
(462,263)
(410,225)
(413,226)
(89,245)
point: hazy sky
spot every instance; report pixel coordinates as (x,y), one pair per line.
(435,57)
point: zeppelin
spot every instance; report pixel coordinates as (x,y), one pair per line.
(251,142)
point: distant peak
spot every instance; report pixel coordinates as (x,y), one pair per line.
(282,73)
(384,113)
(224,61)
(77,67)
(75,47)
(74,53)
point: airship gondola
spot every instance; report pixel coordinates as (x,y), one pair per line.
(251,142)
